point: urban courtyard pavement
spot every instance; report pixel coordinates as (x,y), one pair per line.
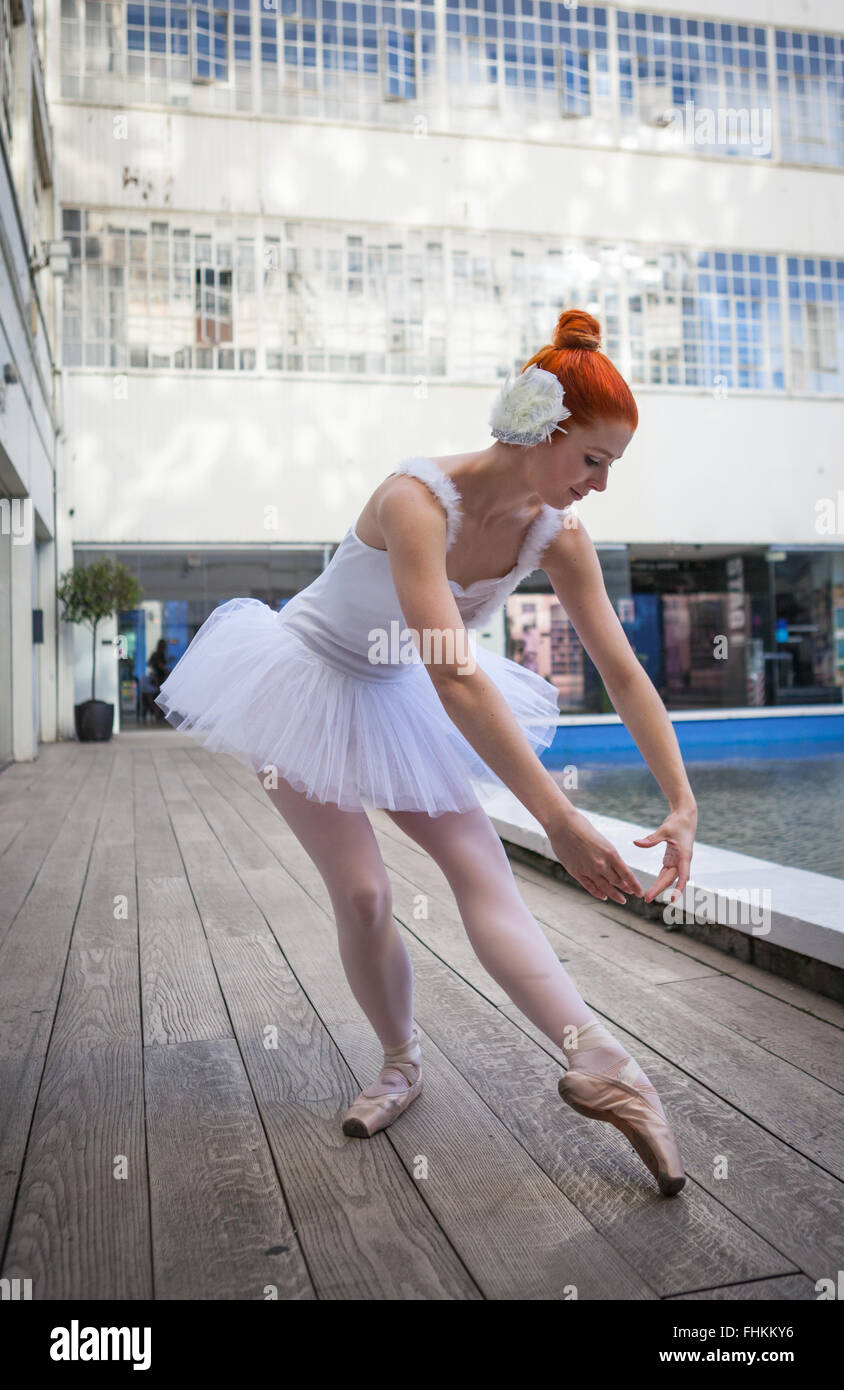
(178,1044)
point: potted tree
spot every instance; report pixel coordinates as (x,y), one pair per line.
(88,594)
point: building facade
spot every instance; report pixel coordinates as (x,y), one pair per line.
(35,653)
(309,237)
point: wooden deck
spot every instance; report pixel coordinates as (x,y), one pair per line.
(178,1043)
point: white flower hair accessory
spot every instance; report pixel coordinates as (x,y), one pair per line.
(526,410)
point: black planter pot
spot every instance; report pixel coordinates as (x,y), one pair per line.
(94,721)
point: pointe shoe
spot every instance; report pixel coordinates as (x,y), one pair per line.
(383,1101)
(612,1096)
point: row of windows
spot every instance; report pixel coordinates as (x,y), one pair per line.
(7,90)
(613,75)
(455,305)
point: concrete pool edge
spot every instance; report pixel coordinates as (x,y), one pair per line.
(790,921)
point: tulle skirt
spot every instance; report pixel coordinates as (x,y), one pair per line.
(251,687)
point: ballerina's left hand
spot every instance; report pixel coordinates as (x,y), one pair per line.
(678,831)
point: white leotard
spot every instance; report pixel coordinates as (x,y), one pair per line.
(297,690)
(355,592)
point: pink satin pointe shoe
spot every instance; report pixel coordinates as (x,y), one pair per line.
(397,1084)
(613,1096)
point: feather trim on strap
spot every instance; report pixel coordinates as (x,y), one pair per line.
(538,539)
(540,536)
(442,487)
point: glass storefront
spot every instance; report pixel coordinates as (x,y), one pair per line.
(714,627)
(180,589)
(808,590)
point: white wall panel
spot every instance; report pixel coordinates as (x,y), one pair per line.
(197,460)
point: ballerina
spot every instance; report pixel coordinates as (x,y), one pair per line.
(305,698)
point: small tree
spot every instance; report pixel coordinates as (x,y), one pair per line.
(92,592)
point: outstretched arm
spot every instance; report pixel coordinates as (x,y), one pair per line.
(572,565)
(414,527)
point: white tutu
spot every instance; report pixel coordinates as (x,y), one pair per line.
(250,686)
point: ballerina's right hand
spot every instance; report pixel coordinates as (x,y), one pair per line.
(592,860)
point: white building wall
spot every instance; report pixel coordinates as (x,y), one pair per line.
(200,460)
(28,418)
(193,457)
(177,161)
(197,457)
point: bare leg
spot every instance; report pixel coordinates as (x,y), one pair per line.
(506,938)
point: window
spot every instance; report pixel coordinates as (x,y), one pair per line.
(522,57)
(472,71)
(346,59)
(167,51)
(810,96)
(210,42)
(705,82)
(816,323)
(738,325)
(399,63)
(157,41)
(7,89)
(706,86)
(213,306)
(458,304)
(156,295)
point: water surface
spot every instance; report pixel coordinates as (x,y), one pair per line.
(789,811)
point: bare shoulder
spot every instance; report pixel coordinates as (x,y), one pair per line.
(409,516)
(571,556)
(400,496)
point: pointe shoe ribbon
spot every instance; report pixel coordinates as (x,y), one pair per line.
(382,1102)
(618,1101)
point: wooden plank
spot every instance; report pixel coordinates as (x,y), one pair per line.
(362,1224)
(155,848)
(810,1043)
(33,955)
(362,1220)
(18,780)
(44,814)
(674,1245)
(181,996)
(9,831)
(815,1239)
(644,958)
(464,1014)
(789,1102)
(515,1232)
(791,1287)
(220,1225)
(81,1223)
(723,964)
(780,1194)
(180,991)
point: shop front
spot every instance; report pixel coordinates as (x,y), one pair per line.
(714,626)
(181,588)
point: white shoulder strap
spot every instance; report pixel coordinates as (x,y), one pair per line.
(443,489)
(541,534)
